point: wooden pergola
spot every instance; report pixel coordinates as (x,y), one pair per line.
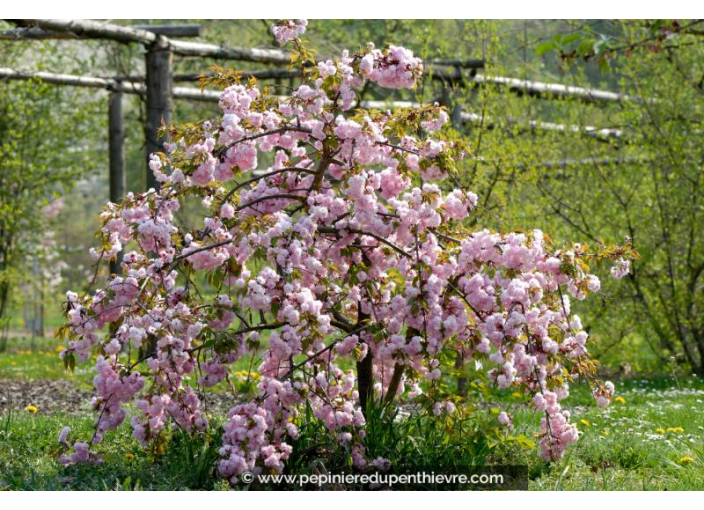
(159,86)
(162,44)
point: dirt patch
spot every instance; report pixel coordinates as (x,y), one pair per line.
(48,396)
(62,396)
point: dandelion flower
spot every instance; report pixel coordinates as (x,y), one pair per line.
(31,409)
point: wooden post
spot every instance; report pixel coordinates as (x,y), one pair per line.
(116,146)
(454,109)
(159,103)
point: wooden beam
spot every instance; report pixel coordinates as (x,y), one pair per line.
(444,73)
(264,74)
(457,115)
(72,80)
(191,93)
(471,63)
(90,29)
(159,103)
(36,33)
(553,90)
(524,126)
(570,162)
(195,94)
(85,28)
(116,147)
(148,35)
(172,31)
(116,85)
(537,126)
(435,72)
(215,51)
(7,73)
(440,71)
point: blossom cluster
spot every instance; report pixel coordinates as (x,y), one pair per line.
(334,235)
(288,30)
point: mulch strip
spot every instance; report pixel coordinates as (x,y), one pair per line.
(48,396)
(62,396)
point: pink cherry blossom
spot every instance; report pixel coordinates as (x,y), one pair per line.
(289,29)
(325,239)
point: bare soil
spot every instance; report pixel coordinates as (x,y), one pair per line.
(62,396)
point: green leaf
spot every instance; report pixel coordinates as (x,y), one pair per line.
(544,48)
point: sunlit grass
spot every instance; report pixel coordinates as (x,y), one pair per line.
(29,450)
(652,436)
(26,359)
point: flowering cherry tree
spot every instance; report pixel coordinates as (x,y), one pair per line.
(333,236)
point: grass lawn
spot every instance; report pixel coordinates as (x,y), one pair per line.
(652,438)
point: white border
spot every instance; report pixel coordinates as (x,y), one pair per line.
(355,9)
(360,9)
(340,501)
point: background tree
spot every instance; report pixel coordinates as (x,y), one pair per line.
(40,159)
(656,198)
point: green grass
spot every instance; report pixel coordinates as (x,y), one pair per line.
(26,360)
(29,449)
(651,438)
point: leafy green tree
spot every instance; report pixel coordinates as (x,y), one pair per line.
(44,149)
(654,196)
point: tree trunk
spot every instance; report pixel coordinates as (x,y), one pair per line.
(365,376)
(394,383)
(4,296)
